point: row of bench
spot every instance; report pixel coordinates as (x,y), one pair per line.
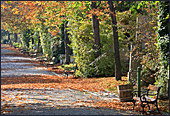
(39,57)
(47,62)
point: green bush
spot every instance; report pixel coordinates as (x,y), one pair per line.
(163,45)
(16,44)
(81,34)
(103,65)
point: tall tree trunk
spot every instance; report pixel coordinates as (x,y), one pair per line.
(43,38)
(67,48)
(116,42)
(62,46)
(32,42)
(39,43)
(96,34)
(9,39)
(15,37)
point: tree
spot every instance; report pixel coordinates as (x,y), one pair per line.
(163,45)
(156,58)
(96,34)
(66,42)
(116,42)
(15,37)
(9,39)
(26,37)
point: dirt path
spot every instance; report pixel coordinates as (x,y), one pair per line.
(26,100)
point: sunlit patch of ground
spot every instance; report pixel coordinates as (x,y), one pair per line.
(62,82)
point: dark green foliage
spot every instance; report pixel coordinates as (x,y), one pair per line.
(163,31)
(59,48)
(27,36)
(103,65)
(163,44)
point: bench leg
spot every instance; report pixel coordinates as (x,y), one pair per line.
(74,76)
(156,104)
(66,73)
(134,101)
(142,105)
(148,106)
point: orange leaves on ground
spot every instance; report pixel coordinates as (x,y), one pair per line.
(19,98)
(164,105)
(45,81)
(21,106)
(115,105)
(61,82)
(90,96)
(3,100)
(6,111)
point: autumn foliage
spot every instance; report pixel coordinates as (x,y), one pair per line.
(56,21)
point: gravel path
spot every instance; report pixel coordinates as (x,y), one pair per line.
(46,101)
(19,68)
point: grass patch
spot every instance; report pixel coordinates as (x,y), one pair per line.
(112,85)
(67,66)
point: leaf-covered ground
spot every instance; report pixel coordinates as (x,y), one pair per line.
(62,82)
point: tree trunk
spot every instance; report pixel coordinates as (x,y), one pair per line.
(116,42)
(15,37)
(61,49)
(38,48)
(67,48)
(32,42)
(9,39)
(96,35)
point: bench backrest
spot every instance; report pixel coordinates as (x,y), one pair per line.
(154,88)
(53,58)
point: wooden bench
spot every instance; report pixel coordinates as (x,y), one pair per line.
(33,54)
(68,71)
(150,97)
(43,59)
(50,63)
(26,52)
(22,50)
(15,47)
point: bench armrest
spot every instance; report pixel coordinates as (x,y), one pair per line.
(134,93)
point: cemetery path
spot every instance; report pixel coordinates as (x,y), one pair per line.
(21,95)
